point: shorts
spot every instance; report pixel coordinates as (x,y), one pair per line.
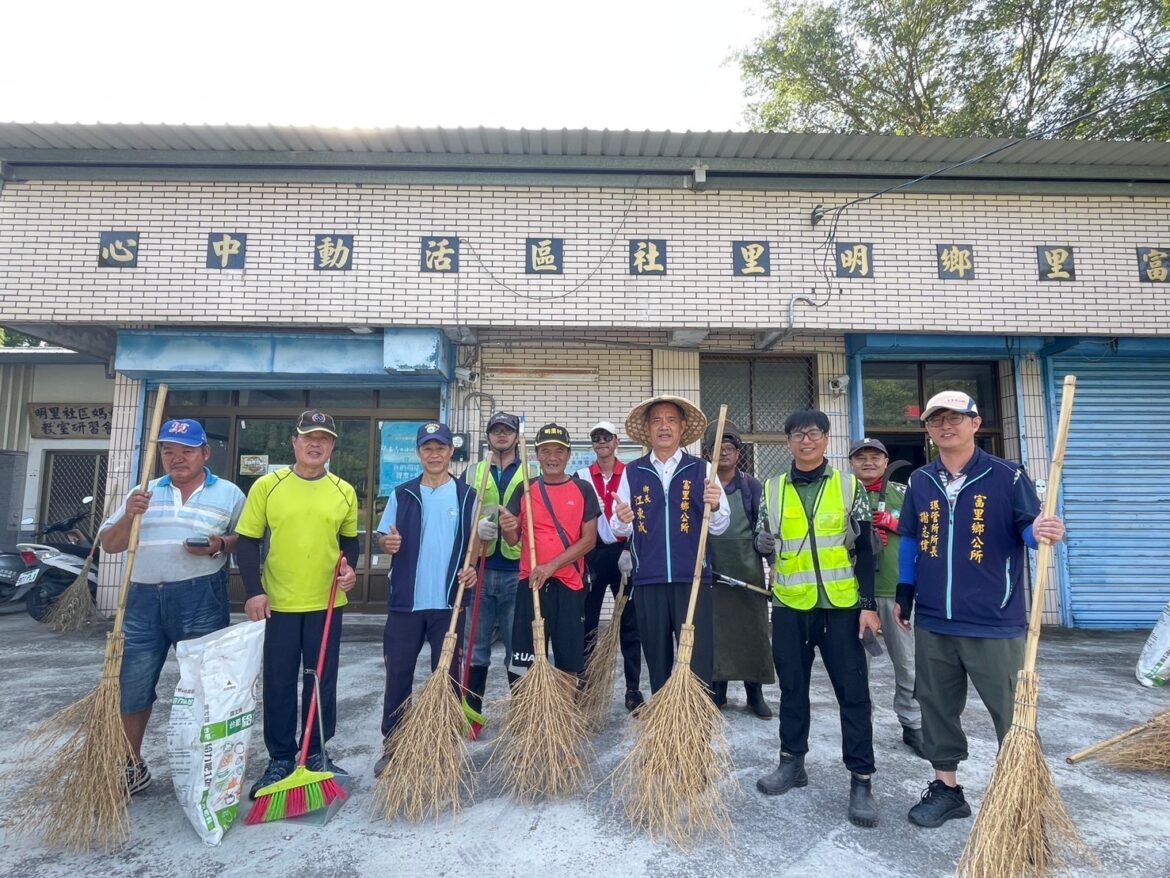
(159,616)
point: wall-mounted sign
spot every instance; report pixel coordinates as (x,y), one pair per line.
(333,252)
(1056,262)
(854,259)
(955,261)
(544,256)
(648,257)
(751,259)
(1153,264)
(63,420)
(439,254)
(118,250)
(226,250)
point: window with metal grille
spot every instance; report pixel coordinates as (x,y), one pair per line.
(760,393)
(70,476)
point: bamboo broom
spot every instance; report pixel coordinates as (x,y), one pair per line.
(543,749)
(599,673)
(669,782)
(75,609)
(1023,828)
(1145,747)
(80,802)
(429,770)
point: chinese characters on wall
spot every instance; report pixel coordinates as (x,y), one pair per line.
(545,255)
(68,421)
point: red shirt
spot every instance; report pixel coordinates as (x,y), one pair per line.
(574,503)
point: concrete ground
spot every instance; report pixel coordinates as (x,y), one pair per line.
(1088,692)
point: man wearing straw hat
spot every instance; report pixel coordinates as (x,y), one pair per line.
(310,515)
(824,601)
(610,559)
(564,528)
(659,507)
(179,588)
(426,527)
(966,521)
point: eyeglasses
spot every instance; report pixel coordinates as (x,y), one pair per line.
(951,419)
(813,435)
(602,438)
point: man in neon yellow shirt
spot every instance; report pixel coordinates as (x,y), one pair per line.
(310,515)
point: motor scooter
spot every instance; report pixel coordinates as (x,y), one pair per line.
(54,566)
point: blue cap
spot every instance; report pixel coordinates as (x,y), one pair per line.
(433,432)
(183,432)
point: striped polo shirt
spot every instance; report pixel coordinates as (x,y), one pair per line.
(213,509)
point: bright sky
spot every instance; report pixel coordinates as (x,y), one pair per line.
(657,64)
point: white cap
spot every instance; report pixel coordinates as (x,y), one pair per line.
(607,426)
(950,400)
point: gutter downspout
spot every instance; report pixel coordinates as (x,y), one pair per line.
(771,339)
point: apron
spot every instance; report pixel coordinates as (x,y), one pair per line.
(743,649)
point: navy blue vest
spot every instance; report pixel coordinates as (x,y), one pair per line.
(665,540)
(408,520)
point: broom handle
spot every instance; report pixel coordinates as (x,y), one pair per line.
(472,542)
(702,553)
(1044,555)
(306,731)
(531,531)
(160,401)
(1109,742)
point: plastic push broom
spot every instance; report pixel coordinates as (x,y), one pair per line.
(303,791)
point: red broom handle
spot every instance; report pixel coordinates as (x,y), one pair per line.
(307,730)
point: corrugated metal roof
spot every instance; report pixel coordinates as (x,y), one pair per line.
(258,141)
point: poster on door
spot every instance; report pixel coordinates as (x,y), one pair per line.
(398,460)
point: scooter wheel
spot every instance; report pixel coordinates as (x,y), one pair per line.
(37,603)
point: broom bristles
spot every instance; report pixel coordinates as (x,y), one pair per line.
(599,672)
(429,772)
(1023,828)
(75,609)
(669,783)
(80,802)
(1148,750)
(543,747)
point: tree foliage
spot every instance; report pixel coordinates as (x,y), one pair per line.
(10,338)
(1003,68)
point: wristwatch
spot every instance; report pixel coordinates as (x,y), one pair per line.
(218,553)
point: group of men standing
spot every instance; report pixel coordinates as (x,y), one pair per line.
(832,557)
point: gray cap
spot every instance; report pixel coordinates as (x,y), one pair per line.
(862,444)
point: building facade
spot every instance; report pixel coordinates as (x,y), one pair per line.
(395,276)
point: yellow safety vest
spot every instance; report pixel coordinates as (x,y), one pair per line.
(795,580)
(491,498)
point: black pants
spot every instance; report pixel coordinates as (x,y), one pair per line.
(563,610)
(402,641)
(795,634)
(604,574)
(290,641)
(661,609)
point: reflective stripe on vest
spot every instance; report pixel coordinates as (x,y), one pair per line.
(491,496)
(795,581)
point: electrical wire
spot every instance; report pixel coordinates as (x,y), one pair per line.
(565,293)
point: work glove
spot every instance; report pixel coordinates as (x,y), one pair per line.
(904,597)
(487,529)
(882,535)
(625,563)
(764,543)
(885,521)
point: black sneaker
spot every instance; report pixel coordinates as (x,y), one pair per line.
(939,804)
(322,762)
(634,699)
(137,776)
(278,769)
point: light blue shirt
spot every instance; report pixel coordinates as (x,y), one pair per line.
(440,524)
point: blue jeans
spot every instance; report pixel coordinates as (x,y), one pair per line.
(159,616)
(497,606)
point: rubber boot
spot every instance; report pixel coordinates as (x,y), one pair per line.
(719,693)
(788,774)
(476,685)
(755,700)
(862,808)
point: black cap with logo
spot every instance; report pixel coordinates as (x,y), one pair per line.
(553,434)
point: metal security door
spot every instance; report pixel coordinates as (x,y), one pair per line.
(1115,491)
(70,476)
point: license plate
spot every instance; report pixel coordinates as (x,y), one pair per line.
(27,577)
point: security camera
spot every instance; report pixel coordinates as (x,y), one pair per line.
(838,384)
(465,375)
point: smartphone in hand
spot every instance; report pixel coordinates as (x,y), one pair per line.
(198,542)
